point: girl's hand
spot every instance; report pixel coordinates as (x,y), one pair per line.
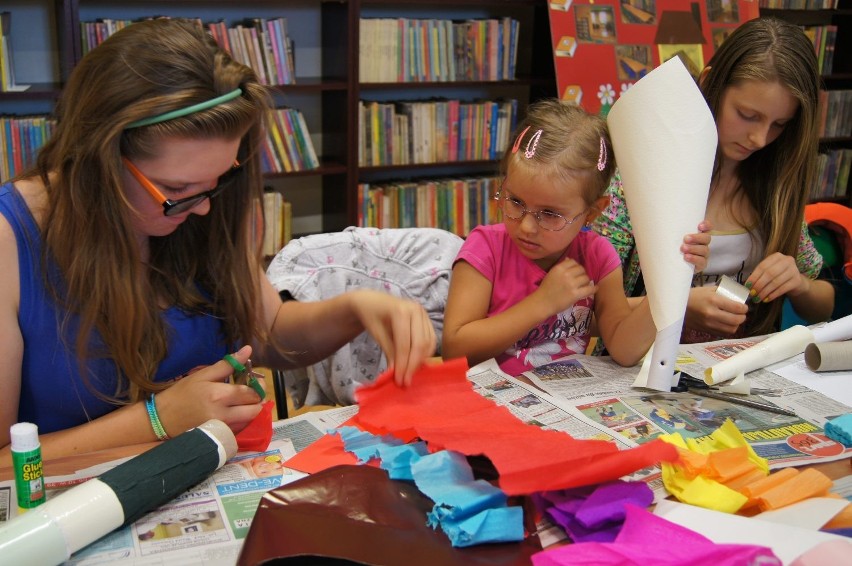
(709,312)
(401,327)
(566,283)
(774,277)
(206,394)
(696,247)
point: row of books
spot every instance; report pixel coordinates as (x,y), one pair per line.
(455,205)
(835,108)
(429,50)
(434,131)
(823,38)
(832,174)
(798,4)
(288,146)
(21,137)
(264,45)
(277,222)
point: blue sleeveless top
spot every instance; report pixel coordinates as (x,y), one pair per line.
(53,394)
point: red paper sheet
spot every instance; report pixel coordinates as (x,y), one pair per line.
(445,411)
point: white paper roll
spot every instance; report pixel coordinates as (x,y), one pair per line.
(664,138)
(834,331)
(777,347)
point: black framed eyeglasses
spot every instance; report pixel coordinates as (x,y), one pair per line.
(547,219)
(172,207)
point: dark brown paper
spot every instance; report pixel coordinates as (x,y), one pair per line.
(358,515)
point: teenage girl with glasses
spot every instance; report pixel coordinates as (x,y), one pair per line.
(762,86)
(128,258)
(524,291)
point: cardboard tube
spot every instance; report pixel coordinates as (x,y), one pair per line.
(52,532)
(829,356)
(777,347)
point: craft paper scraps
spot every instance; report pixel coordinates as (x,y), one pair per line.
(828,553)
(257,435)
(640,543)
(593,513)
(786,542)
(702,474)
(364,445)
(723,475)
(469,511)
(324,453)
(441,407)
(840,429)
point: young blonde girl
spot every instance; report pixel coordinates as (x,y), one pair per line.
(524,291)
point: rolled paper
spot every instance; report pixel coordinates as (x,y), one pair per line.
(51,533)
(829,356)
(777,347)
(732,290)
(665,138)
(834,331)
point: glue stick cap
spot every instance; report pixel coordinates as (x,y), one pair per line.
(24,437)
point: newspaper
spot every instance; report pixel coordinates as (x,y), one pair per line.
(208,523)
(601,390)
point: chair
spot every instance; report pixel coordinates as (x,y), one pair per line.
(413,263)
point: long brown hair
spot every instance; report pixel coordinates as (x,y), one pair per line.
(209,264)
(777,179)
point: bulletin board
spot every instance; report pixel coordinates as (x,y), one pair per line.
(602,47)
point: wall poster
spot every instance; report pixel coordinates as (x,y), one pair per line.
(602,47)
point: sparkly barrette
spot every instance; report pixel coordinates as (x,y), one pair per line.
(601,155)
(529,152)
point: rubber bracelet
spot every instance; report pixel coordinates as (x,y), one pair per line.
(234,362)
(151,407)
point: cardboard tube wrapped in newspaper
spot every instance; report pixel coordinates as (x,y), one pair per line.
(664,138)
(777,347)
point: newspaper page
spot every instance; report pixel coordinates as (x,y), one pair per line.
(535,406)
(208,523)
(600,389)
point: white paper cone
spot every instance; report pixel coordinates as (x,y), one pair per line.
(664,138)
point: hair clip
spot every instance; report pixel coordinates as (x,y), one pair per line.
(517,145)
(529,152)
(602,155)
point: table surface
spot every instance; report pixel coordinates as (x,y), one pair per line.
(70,464)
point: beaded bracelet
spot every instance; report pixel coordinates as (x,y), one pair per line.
(159,431)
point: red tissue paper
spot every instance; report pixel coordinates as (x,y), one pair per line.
(258,433)
(441,407)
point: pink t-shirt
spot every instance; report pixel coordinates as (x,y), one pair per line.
(490,250)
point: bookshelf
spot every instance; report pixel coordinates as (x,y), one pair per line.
(835,80)
(327,88)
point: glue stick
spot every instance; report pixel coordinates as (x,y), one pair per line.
(26,460)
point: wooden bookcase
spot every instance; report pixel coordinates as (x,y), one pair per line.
(840,77)
(327,89)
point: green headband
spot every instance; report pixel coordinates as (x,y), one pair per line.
(185,111)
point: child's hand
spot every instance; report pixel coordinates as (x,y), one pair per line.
(696,247)
(709,312)
(565,284)
(774,277)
